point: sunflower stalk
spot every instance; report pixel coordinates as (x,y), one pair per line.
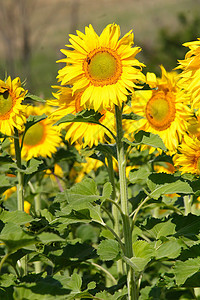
(20,185)
(20,189)
(115,210)
(128,252)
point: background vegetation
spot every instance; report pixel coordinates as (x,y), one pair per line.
(33,32)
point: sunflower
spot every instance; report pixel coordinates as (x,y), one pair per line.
(190,75)
(164,110)
(41,139)
(188,160)
(86,134)
(103,67)
(11,110)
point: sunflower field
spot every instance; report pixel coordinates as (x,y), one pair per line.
(100,189)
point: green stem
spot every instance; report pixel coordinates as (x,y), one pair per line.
(3,260)
(37,200)
(20,188)
(115,208)
(20,185)
(132,292)
(187,203)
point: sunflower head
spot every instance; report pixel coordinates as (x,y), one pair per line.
(164,109)
(11,111)
(103,68)
(189,77)
(188,160)
(41,139)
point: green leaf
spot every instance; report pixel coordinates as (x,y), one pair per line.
(32,166)
(7,280)
(108,249)
(30,96)
(169,249)
(88,116)
(178,186)
(188,226)
(143,252)
(15,238)
(139,176)
(82,192)
(107,190)
(74,283)
(185,269)
(147,138)
(87,233)
(16,217)
(160,228)
(107,149)
(48,237)
(131,116)
(32,120)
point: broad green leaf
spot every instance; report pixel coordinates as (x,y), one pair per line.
(108,249)
(107,190)
(88,116)
(169,249)
(143,249)
(48,237)
(179,187)
(84,191)
(143,252)
(160,228)
(7,280)
(185,269)
(188,226)
(139,176)
(139,263)
(147,138)
(32,166)
(87,233)
(15,238)
(74,283)
(16,217)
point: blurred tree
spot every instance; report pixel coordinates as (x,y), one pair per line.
(169,46)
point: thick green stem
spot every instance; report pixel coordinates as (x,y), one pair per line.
(115,211)
(20,189)
(132,293)
(20,185)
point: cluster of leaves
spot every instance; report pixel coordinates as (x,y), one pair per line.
(73,237)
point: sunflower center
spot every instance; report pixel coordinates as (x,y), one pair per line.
(103,66)
(160,111)
(34,135)
(6,103)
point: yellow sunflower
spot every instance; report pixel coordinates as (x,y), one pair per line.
(11,110)
(103,67)
(188,160)
(86,134)
(190,75)
(164,110)
(41,139)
